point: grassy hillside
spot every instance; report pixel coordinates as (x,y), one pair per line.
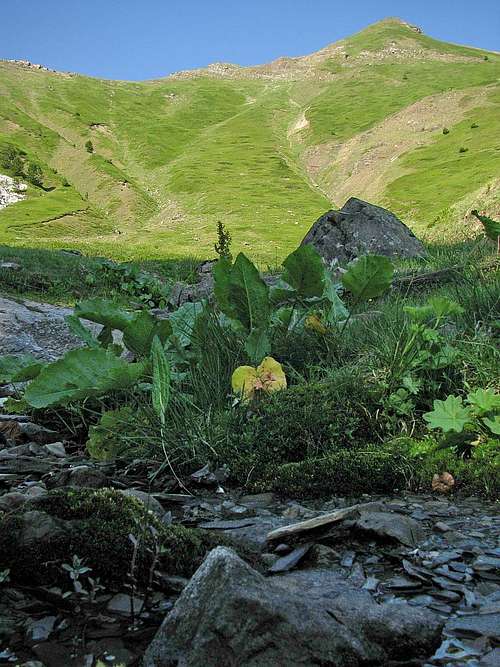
(264,149)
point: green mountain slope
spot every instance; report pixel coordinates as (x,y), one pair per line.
(265,149)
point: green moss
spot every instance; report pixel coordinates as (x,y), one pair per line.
(98,529)
(304,421)
(346,472)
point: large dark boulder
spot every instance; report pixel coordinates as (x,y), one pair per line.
(229,615)
(360,228)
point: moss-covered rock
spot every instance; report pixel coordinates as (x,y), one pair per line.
(94,525)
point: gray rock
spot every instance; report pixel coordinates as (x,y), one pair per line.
(491,659)
(250,533)
(231,615)
(292,559)
(146,498)
(475,625)
(391,525)
(12,500)
(39,528)
(56,449)
(84,476)
(360,228)
(121,603)
(36,328)
(40,629)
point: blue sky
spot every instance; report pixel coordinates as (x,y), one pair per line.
(141,39)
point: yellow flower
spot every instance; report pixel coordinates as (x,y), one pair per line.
(313,322)
(267,377)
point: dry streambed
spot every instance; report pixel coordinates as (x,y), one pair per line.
(408,580)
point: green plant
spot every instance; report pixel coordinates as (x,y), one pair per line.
(34,174)
(19,368)
(465,425)
(223,245)
(118,433)
(89,146)
(139,284)
(243,296)
(11,158)
(420,355)
(97,528)
(491,228)
(446,130)
(81,374)
(462,149)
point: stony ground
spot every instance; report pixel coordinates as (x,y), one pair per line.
(437,553)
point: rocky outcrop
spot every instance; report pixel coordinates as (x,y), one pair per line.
(11,191)
(360,228)
(40,329)
(231,615)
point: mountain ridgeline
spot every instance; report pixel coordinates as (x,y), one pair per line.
(146,169)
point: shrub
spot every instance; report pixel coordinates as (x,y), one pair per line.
(446,130)
(474,126)
(34,174)
(89,146)
(462,149)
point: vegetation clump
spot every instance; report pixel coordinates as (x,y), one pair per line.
(96,526)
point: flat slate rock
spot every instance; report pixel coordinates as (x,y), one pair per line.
(475,625)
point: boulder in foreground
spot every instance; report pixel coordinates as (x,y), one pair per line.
(360,228)
(230,615)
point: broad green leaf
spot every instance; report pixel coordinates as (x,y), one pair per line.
(443,307)
(161,379)
(183,321)
(105,312)
(139,333)
(419,313)
(282,293)
(484,401)
(491,227)
(19,368)
(258,344)
(304,271)
(81,374)
(368,277)
(443,358)
(108,438)
(448,415)
(105,337)
(248,295)
(222,278)
(78,329)
(337,312)
(493,424)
